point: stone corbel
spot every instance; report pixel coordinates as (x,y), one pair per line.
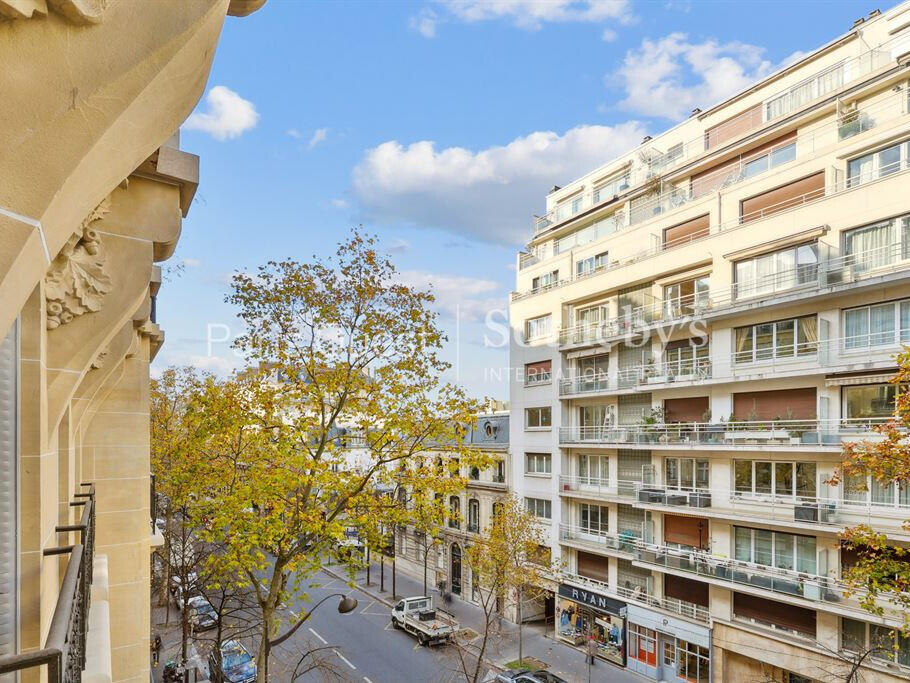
(76,280)
(81,12)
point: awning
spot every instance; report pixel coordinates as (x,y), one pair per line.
(858,379)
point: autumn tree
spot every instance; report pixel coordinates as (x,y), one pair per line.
(882,568)
(339,346)
(508,568)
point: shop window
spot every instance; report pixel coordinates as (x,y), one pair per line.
(643,645)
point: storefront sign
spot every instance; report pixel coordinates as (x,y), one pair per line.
(591,599)
(680,628)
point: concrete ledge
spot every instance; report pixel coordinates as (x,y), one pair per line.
(98,644)
(99,579)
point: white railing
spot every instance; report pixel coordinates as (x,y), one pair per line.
(839,270)
(599,487)
(657,165)
(774,433)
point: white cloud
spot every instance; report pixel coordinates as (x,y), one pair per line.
(294,133)
(191,262)
(609,35)
(319,135)
(671,76)
(228,115)
(467,298)
(398,246)
(488,195)
(424,23)
(533,14)
(338,203)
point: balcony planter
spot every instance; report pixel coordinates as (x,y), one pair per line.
(677,499)
(757,434)
(658,379)
(651,496)
(722,571)
(648,556)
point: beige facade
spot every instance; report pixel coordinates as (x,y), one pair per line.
(94,190)
(702,323)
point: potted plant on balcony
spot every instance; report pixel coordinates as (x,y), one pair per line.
(853,123)
(653,375)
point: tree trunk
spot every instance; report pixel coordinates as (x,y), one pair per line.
(262,657)
(426,553)
(520,649)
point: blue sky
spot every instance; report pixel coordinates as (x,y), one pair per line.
(439,126)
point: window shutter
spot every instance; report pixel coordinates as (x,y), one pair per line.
(9,551)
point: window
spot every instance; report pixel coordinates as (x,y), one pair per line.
(592,416)
(775,549)
(537,463)
(454,512)
(474,474)
(538,373)
(877,245)
(877,164)
(593,468)
(610,189)
(869,401)
(474,515)
(879,325)
(769,160)
(587,235)
(692,662)
(539,507)
(781,339)
(594,518)
(537,418)
(867,490)
(881,642)
(764,478)
(643,644)
(591,264)
(545,281)
(776,271)
(686,357)
(687,297)
(593,367)
(686,473)
(538,328)
(500,475)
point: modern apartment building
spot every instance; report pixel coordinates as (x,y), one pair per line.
(702,323)
(94,189)
(471,512)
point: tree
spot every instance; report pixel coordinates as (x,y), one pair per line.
(340,345)
(507,566)
(881,567)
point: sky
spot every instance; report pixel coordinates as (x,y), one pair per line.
(439,127)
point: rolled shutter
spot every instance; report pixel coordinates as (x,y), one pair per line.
(767,611)
(687,231)
(682,588)
(796,404)
(783,197)
(592,566)
(9,393)
(685,531)
(685,409)
(733,127)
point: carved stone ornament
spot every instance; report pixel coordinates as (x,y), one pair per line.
(101,358)
(80,12)
(76,282)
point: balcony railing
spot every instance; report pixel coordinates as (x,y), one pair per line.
(64,650)
(642,597)
(773,433)
(804,279)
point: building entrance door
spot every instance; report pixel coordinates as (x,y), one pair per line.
(667,658)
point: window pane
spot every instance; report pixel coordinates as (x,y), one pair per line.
(784,343)
(805,555)
(701,474)
(783,551)
(889,160)
(783,155)
(742,542)
(853,635)
(762,547)
(807,339)
(743,476)
(764,341)
(763,477)
(672,467)
(856,324)
(687,474)
(805,479)
(755,166)
(743,344)
(881,324)
(882,494)
(783,478)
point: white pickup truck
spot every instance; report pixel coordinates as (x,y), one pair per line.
(418,616)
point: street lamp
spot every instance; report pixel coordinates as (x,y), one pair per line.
(345,605)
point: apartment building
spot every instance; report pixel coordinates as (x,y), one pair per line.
(702,323)
(471,511)
(94,190)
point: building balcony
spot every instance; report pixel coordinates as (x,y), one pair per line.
(754,435)
(600,489)
(622,544)
(833,275)
(868,352)
(803,588)
(636,595)
(67,650)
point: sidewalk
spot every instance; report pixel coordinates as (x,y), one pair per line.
(537,640)
(170,639)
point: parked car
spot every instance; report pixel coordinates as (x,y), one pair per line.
(202,615)
(183,595)
(529,676)
(236,666)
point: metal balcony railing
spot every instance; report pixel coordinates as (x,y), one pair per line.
(64,650)
(772,433)
(642,597)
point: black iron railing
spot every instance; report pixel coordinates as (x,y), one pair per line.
(64,650)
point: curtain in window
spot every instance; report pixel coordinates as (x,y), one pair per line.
(743,344)
(856,328)
(807,339)
(881,324)
(869,246)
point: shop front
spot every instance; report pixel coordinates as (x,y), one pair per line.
(581,613)
(665,648)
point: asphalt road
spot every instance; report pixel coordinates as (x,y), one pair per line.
(358,646)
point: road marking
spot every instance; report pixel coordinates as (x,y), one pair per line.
(367,679)
(416,646)
(387,626)
(344,659)
(372,602)
(324,641)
